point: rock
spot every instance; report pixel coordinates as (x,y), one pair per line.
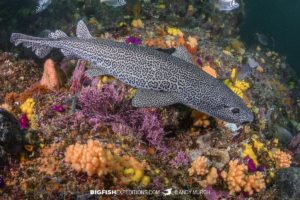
(294,147)
(3,159)
(284,136)
(2,183)
(288,183)
(10,132)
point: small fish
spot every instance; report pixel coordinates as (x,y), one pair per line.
(262,39)
(161,79)
(114,3)
(225,5)
(42,5)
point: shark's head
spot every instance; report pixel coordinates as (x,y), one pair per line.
(220,102)
(231,109)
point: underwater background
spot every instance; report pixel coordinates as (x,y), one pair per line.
(66,135)
(278,19)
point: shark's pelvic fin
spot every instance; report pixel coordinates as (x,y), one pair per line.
(183,54)
(82,31)
(152,98)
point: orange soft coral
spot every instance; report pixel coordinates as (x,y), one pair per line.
(192,44)
(235,178)
(199,166)
(209,70)
(129,161)
(200,119)
(91,158)
(282,159)
(211,178)
(254,182)
(157,42)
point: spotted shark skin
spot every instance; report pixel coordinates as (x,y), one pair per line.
(161,79)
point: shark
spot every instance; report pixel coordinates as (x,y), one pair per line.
(161,79)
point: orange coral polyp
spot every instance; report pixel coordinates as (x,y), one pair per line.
(254,182)
(199,166)
(235,177)
(91,158)
(282,159)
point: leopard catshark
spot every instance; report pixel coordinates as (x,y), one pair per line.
(161,79)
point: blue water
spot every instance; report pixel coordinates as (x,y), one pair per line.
(279,19)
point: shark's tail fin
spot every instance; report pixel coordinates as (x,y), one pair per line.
(28,41)
(39,45)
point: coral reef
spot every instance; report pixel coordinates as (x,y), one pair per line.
(63,134)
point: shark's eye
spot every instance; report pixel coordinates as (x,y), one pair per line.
(235,110)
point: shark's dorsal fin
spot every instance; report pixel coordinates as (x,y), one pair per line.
(82,31)
(183,54)
(57,34)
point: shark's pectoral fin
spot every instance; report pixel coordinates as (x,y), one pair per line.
(183,54)
(82,30)
(152,98)
(93,72)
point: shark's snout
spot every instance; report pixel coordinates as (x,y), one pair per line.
(248,119)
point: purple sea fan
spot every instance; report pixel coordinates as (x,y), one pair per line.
(180,160)
(77,77)
(152,130)
(95,102)
(133,40)
(109,106)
